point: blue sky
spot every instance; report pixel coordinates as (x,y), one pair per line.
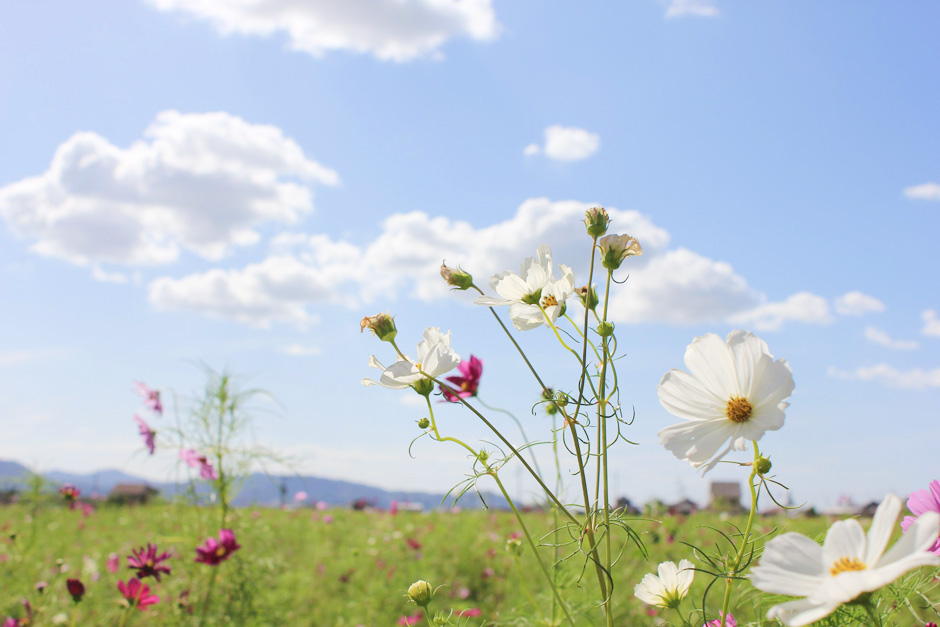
(239,188)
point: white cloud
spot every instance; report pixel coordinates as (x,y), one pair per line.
(800,307)
(300,350)
(203,182)
(566,143)
(876,335)
(18,357)
(915,379)
(858,304)
(700,8)
(931,323)
(926,191)
(394,30)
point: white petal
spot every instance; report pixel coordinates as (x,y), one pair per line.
(685,576)
(748,351)
(882,526)
(400,375)
(792,564)
(845,538)
(526,317)
(668,575)
(650,590)
(710,361)
(801,612)
(918,538)
(683,395)
(509,285)
(696,442)
(773,382)
(492,301)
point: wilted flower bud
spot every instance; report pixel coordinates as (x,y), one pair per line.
(605,329)
(596,220)
(588,296)
(420,593)
(762,465)
(616,248)
(424,387)
(382,326)
(458,279)
(424,423)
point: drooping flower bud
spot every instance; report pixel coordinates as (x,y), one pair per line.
(596,220)
(420,593)
(458,279)
(382,326)
(548,394)
(616,248)
(588,296)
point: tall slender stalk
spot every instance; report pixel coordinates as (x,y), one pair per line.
(729,581)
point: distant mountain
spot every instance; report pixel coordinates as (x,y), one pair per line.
(257,489)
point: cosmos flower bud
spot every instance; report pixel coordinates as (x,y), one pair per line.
(762,465)
(548,394)
(424,423)
(514,546)
(605,329)
(420,593)
(596,221)
(588,296)
(616,248)
(424,387)
(382,326)
(76,589)
(458,279)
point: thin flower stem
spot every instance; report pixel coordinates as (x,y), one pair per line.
(525,438)
(581,334)
(205,603)
(729,581)
(440,438)
(532,546)
(427,615)
(602,422)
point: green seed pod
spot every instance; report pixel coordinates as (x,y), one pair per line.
(762,465)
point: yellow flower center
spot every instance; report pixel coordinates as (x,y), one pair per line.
(738,409)
(549,301)
(418,365)
(149,563)
(846,564)
(220,551)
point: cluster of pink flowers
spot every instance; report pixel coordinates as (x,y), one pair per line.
(194,459)
(151,402)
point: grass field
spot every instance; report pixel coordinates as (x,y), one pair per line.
(338,567)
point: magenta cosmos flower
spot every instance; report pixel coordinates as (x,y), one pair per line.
(216,551)
(146,433)
(194,459)
(466,385)
(729,621)
(148,563)
(921,502)
(76,589)
(138,593)
(151,397)
(69,492)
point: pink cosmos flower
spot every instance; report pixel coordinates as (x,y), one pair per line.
(146,433)
(193,459)
(921,502)
(465,386)
(729,621)
(471,612)
(151,397)
(215,552)
(147,562)
(21,622)
(69,492)
(113,563)
(138,593)
(414,619)
(301,496)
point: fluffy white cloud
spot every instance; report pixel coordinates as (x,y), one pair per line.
(566,143)
(300,350)
(203,182)
(858,304)
(700,8)
(395,30)
(927,191)
(876,335)
(915,379)
(931,323)
(800,307)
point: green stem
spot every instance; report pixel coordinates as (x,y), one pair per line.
(872,613)
(205,604)
(602,422)
(729,581)
(427,615)
(525,438)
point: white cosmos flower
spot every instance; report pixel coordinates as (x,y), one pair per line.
(669,588)
(435,357)
(847,565)
(534,285)
(732,393)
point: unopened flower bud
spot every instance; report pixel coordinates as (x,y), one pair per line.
(616,248)
(605,329)
(514,546)
(561,399)
(762,465)
(588,296)
(596,220)
(420,593)
(458,279)
(424,423)
(382,326)
(424,387)
(548,394)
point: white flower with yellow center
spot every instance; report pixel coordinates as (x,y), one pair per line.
(669,588)
(846,566)
(531,291)
(435,357)
(732,393)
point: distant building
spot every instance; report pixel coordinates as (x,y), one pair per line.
(8,496)
(628,508)
(725,497)
(132,494)
(685,507)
